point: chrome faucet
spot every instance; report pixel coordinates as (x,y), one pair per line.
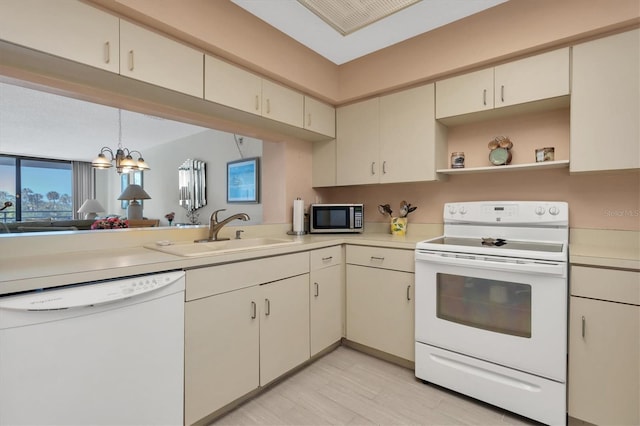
(215,226)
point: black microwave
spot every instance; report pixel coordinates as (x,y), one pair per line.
(336,218)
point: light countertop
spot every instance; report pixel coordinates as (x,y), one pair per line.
(47,261)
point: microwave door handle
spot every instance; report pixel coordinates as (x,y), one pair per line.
(527,266)
(351,217)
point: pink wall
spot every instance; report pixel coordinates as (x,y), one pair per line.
(599,201)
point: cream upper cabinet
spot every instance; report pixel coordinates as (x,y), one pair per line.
(152,58)
(464,94)
(393,138)
(380,306)
(234,87)
(319,117)
(604,346)
(412,143)
(229,85)
(284,326)
(538,77)
(605,104)
(66,28)
(326,298)
(282,104)
(357,143)
(526,80)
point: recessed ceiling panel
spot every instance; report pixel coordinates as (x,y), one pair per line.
(299,23)
(349,16)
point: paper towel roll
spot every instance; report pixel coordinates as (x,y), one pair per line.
(298,215)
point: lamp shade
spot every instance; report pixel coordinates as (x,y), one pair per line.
(134,192)
(90,207)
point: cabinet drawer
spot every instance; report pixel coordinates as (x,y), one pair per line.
(326,257)
(205,282)
(396,259)
(606,284)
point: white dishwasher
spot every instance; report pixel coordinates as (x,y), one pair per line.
(103,353)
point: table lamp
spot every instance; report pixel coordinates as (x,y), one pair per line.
(90,208)
(133,193)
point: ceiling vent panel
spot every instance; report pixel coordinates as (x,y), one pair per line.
(348,16)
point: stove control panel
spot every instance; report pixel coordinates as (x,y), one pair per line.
(509,212)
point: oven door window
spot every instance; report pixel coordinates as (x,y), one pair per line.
(498,306)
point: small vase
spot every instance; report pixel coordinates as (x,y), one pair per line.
(399,226)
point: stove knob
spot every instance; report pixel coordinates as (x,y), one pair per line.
(452,209)
(540,210)
(554,210)
(463,210)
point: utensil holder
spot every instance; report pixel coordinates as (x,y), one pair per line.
(399,226)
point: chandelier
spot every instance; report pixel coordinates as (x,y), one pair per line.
(123,157)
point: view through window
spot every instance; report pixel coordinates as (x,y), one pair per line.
(38,189)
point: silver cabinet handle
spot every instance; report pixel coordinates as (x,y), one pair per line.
(384,167)
(257,102)
(268,106)
(327,259)
(484,97)
(502,93)
(317,293)
(254,311)
(409,292)
(584,326)
(131,60)
(373,165)
(267,305)
(309,119)
(107,52)
(376,258)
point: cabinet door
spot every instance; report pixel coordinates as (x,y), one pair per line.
(357,147)
(604,367)
(380,309)
(150,57)
(282,104)
(319,117)
(66,28)
(538,77)
(409,144)
(221,350)
(464,94)
(605,104)
(326,307)
(234,87)
(284,326)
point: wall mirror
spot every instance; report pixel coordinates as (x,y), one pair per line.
(192,183)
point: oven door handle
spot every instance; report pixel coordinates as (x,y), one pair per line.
(532,266)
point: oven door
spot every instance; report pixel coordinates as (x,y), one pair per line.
(511,312)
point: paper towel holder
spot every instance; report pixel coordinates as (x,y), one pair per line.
(302,231)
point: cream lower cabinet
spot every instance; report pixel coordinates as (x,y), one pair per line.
(604,346)
(605,104)
(246,323)
(66,28)
(380,305)
(284,326)
(326,298)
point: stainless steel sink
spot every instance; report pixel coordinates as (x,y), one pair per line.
(189,249)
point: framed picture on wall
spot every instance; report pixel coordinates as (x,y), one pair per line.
(127,179)
(243,181)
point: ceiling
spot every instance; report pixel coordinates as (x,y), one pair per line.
(298,22)
(40,124)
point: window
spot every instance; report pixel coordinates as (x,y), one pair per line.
(39,189)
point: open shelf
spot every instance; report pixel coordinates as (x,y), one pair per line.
(510,168)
